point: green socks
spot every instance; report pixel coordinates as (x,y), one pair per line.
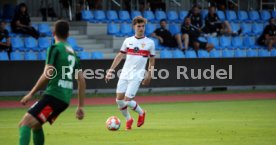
(38,137)
(25,134)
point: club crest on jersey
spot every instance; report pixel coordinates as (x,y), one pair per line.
(143,45)
(136,49)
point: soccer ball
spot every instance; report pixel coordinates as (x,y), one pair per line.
(113,123)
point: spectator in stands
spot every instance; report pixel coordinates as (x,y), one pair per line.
(21,22)
(194,33)
(165,37)
(268,37)
(5,43)
(214,26)
(195,16)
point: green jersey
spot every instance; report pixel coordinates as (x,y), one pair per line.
(65,62)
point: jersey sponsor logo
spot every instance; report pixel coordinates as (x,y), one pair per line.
(143,45)
(65,84)
(137,51)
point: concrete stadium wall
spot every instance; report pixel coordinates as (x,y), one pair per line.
(22,75)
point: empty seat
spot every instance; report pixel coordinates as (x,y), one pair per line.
(240,53)
(156,43)
(178,54)
(225,42)
(273,52)
(237,42)
(172,16)
(183,15)
(251,53)
(44,43)
(263,53)
(166,54)
(174,29)
(84,55)
(243,16)
(99,16)
(124,16)
(215,54)
(203,54)
(257,28)
(265,15)
(31,43)
(227,53)
(249,42)
(273,14)
(17,44)
(86,15)
(214,41)
(235,27)
(149,16)
(221,15)
(126,29)
(135,14)
(112,15)
(16,56)
(204,13)
(112,29)
(30,56)
(254,15)
(41,55)
(97,55)
(44,29)
(73,43)
(246,29)
(231,16)
(159,15)
(4,56)
(190,54)
(149,28)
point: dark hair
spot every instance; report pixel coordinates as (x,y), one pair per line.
(138,19)
(162,20)
(22,5)
(61,29)
(270,20)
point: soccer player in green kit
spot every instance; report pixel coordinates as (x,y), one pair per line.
(58,91)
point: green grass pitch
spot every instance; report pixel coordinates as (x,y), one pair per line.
(193,123)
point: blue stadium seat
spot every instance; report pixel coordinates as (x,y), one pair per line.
(243,16)
(174,29)
(227,53)
(99,16)
(204,13)
(240,53)
(112,16)
(156,43)
(251,53)
(190,54)
(273,52)
(263,53)
(124,16)
(254,15)
(166,54)
(44,29)
(265,15)
(273,14)
(8,12)
(237,43)
(215,54)
(231,16)
(214,41)
(235,27)
(86,15)
(246,29)
(135,14)
(225,42)
(4,56)
(72,41)
(16,56)
(221,15)
(178,54)
(97,55)
(41,55)
(249,42)
(182,15)
(44,43)
(126,29)
(35,26)
(149,28)
(112,29)
(17,44)
(149,16)
(30,56)
(203,54)
(159,15)
(172,16)
(8,28)
(84,55)
(257,28)
(31,43)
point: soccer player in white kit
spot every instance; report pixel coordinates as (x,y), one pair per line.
(137,49)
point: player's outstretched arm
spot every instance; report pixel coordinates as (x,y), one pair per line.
(115,63)
(150,72)
(81,95)
(41,83)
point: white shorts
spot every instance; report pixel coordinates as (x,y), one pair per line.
(129,87)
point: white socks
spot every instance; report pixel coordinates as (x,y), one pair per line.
(134,106)
(123,108)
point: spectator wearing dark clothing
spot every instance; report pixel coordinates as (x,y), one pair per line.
(268,37)
(194,33)
(195,16)
(5,43)
(165,37)
(213,25)
(21,22)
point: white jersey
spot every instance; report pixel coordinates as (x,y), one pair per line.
(137,51)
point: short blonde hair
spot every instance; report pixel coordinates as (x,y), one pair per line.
(138,19)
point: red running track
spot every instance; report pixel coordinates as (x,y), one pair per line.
(161,99)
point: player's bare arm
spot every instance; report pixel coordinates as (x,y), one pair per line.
(81,95)
(41,83)
(149,74)
(115,63)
